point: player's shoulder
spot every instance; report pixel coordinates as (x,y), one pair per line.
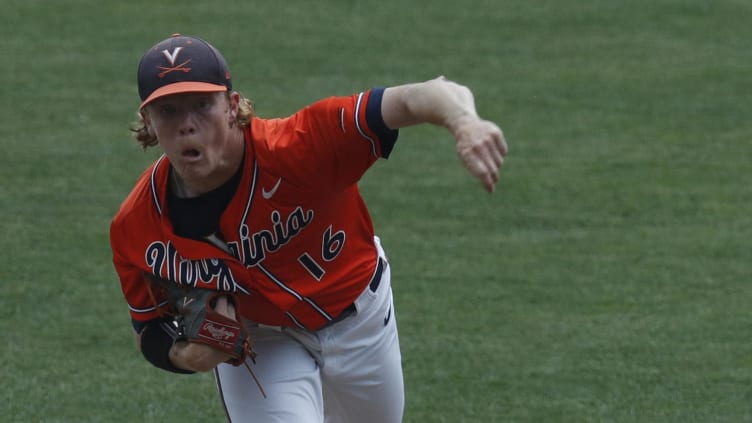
(327,109)
(142,198)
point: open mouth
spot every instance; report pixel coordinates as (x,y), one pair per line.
(191,153)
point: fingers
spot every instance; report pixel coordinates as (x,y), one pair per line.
(501,142)
(497,149)
(482,167)
(482,149)
(488,184)
(225,307)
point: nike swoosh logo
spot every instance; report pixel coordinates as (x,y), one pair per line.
(268,194)
(388,315)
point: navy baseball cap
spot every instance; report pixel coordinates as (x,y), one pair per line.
(181,64)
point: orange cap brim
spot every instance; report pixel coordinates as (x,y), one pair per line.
(183,87)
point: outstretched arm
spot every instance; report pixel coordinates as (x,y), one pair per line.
(480,144)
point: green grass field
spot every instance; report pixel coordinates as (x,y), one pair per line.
(605,281)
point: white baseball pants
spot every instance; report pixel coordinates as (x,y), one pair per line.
(348,372)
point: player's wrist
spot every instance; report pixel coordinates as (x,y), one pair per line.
(157,344)
(197,357)
(462,119)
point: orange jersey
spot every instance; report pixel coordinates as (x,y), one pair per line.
(299,242)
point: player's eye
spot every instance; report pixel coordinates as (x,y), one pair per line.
(203,104)
(167,110)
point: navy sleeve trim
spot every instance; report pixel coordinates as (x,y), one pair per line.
(387,136)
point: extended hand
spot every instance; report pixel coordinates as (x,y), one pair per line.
(481,147)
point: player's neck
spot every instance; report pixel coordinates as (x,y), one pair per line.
(180,188)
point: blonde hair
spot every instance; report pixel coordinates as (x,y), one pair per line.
(147,139)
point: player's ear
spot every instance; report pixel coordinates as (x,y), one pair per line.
(147,123)
(233,103)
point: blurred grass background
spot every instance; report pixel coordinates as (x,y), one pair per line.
(605,281)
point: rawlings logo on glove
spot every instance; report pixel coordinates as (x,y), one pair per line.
(220,333)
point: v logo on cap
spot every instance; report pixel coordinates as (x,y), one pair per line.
(172,57)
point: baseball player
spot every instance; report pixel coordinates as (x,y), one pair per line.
(267,213)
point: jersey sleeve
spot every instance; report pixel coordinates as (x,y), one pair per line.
(385,138)
(331,143)
(132,283)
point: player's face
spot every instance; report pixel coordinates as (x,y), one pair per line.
(194,130)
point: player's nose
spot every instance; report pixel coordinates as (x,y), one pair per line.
(187,125)
(187,130)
